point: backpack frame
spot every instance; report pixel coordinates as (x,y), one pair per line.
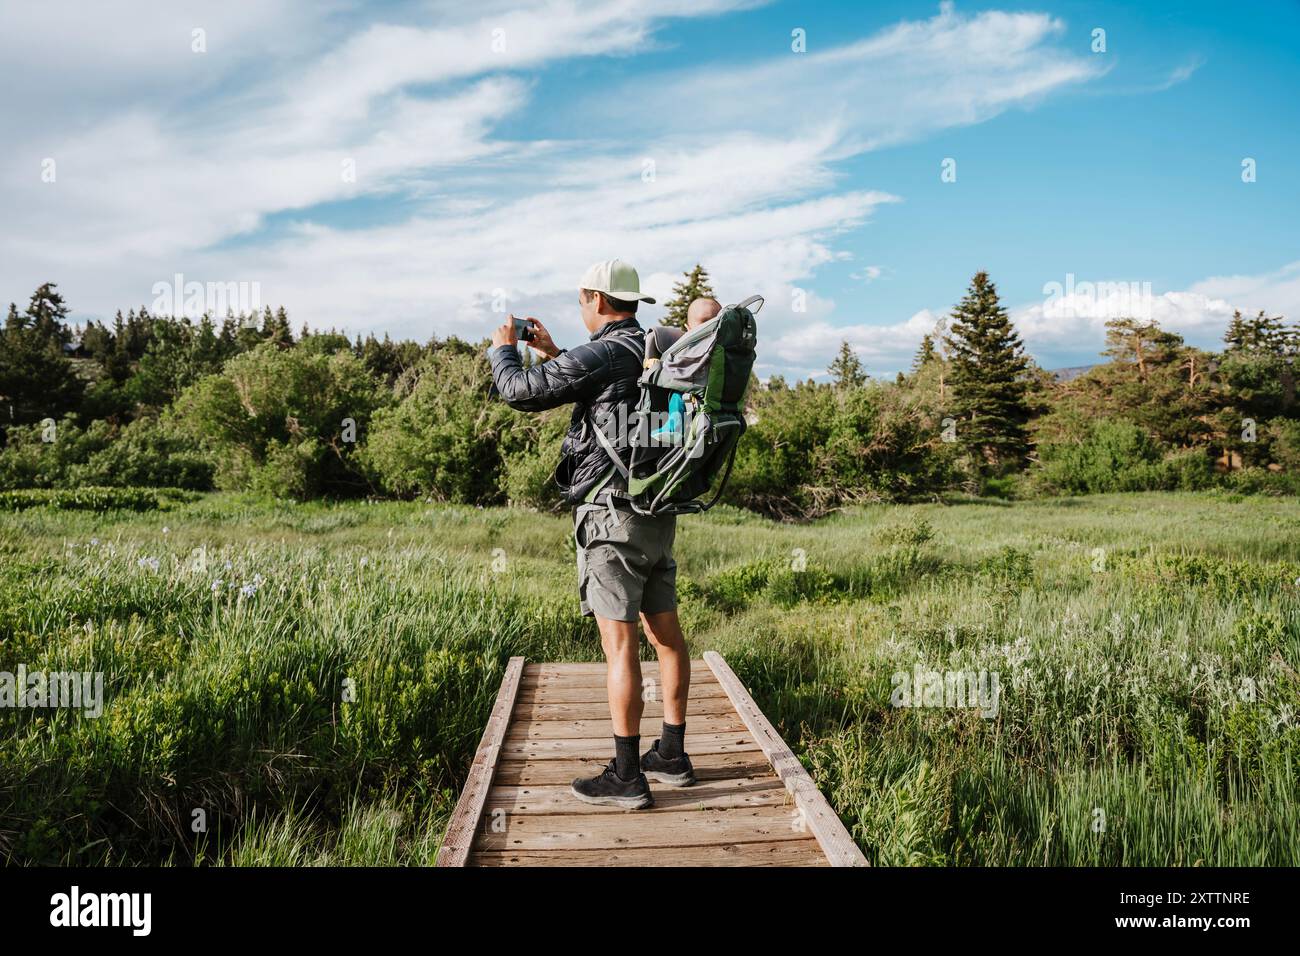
(709,367)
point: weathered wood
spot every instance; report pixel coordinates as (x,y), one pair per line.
(649,729)
(806,852)
(552,681)
(822,820)
(459,837)
(723,794)
(698,667)
(602,747)
(522,773)
(666,829)
(530,711)
(752,804)
(565,694)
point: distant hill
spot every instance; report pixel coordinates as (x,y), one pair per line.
(1065,374)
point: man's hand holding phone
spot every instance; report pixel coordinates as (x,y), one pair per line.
(530,331)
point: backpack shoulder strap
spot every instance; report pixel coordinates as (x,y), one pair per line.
(637,348)
(624,339)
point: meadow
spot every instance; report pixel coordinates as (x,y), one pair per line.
(304,684)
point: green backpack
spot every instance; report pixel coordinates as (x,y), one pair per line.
(677,453)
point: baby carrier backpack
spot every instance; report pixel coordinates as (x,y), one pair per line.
(691,413)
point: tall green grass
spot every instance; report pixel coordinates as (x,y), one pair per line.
(314,678)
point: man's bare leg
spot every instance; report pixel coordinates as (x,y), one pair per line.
(664,631)
(623,678)
(621,783)
(667,761)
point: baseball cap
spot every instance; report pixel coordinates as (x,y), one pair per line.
(615,278)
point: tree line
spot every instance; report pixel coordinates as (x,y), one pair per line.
(242,403)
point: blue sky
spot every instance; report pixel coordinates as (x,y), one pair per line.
(500,148)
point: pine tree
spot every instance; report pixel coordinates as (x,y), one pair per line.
(1235,335)
(49,315)
(276,328)
(36,379)
(695,286)
(1263,333)
(925,354)
(990,384)
(1142,344)
(847,370)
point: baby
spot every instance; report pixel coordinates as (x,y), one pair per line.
(700,311)
(697,313)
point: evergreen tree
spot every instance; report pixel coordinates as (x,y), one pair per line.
(276,328)
(847,370)
(1235,335)
(1141,344)
(1263,333)
(49,315)
(990,381)
(37,380)
(925,354)
(695,286)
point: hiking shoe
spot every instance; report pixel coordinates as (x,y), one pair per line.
(609,789)
(676,772)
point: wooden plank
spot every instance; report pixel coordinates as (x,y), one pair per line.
(526,711)
(669,829)
(551,681)
(822,820)
(698,667)
(806,852)
(459,836)
(600,747)
(534,773)
(566,694)
(725,794)
(650,727)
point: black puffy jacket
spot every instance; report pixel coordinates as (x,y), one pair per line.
(598,376)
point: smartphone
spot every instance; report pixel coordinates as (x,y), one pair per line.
(523,329)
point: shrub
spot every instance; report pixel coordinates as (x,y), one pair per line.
(29,460)
(529,472)
(149,452)
(1261,481)
(917,532)
(1115,455)
(774,466)
(1284,434)
(277,420)
(449,436)
(93,499)
(813,448)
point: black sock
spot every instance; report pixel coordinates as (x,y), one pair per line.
(673,741)
(627,756)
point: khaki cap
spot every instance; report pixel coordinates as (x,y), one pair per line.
(616,279)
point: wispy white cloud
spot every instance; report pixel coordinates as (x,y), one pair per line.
(1067,326)
(900,84)
(185,175)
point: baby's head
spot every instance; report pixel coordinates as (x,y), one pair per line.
(700,311)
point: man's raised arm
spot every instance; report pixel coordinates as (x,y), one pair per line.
(569,377)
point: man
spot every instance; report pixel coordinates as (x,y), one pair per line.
(625,560)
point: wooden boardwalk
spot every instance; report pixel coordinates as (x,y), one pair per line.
(753,803)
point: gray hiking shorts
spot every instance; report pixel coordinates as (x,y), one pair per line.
(625,562)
